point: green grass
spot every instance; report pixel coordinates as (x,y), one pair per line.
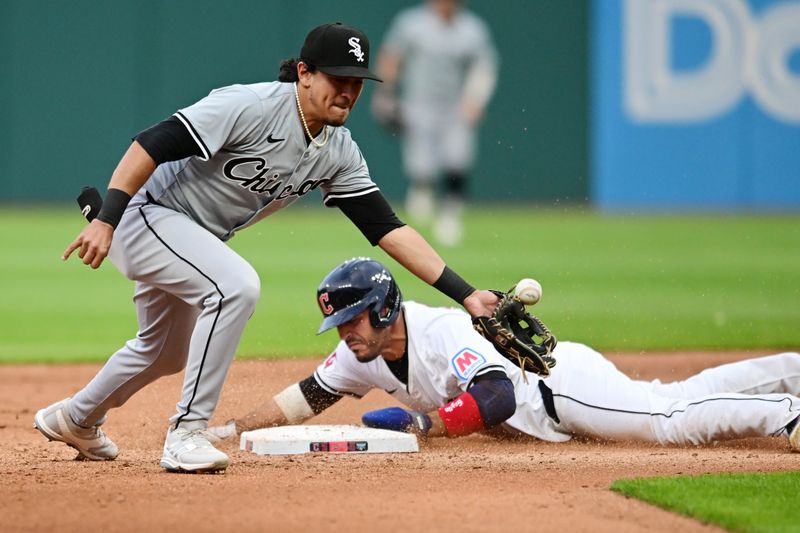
(751,503)
(617,282)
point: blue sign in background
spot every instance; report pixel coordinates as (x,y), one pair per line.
(745,155)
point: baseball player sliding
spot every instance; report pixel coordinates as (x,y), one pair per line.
(454,382)
(187,185)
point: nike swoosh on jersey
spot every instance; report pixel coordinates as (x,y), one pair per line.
(270,139)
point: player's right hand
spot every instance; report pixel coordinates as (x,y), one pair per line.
(92,243)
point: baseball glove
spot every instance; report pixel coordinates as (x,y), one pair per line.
(518,336)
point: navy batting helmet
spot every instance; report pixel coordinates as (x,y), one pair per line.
(355,285)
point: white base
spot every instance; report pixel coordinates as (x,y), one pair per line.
(289,440)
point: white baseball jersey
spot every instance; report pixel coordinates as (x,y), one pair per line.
(255,160)
(444,355)
(591,397)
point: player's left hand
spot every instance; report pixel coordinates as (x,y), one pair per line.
(481,303)
(398,419)
(518,336)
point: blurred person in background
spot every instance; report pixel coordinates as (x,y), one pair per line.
(439,66)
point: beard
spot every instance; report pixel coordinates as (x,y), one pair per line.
(365,351)
(367,357)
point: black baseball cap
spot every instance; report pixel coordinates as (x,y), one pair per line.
(338,50)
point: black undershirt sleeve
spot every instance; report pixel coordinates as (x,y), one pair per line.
(318,398)
(371,214)
(169,140)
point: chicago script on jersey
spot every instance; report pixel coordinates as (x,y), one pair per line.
(251,173)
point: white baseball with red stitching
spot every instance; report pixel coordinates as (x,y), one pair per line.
(529,291)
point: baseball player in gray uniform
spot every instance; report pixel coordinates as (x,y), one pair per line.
(441,60)
(455,383)
(182,189)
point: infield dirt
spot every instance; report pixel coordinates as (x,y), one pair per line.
(475,483)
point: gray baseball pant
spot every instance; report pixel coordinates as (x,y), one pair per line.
(193,297)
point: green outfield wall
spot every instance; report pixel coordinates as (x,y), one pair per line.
(78,79)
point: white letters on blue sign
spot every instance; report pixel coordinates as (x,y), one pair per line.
(749,54)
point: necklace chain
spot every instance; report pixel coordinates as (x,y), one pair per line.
(305,125)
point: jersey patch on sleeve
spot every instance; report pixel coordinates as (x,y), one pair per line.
(466,362)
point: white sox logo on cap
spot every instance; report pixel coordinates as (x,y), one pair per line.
(338,50)
(356,50)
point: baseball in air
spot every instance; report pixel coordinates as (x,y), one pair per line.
(528,290)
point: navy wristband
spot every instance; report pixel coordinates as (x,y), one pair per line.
(113,207)
(453,286)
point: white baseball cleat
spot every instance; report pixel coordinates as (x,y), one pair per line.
(92,443)
(188,449)
(794,436)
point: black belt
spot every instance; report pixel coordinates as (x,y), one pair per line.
(547,398)
(150,199)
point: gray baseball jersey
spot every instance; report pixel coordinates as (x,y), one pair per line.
(437,56)
(194,294)
(755,397)
(255,160)
(441,63)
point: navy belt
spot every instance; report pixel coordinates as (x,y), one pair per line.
(547,398)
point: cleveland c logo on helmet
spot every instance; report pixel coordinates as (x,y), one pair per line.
(324,305)
(355,286)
